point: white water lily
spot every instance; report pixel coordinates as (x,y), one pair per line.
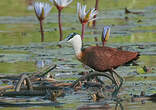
(84,16)
(60,4)
(42,9)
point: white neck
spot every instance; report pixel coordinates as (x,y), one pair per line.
(77,44)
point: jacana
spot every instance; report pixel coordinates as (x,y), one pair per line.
(101,58)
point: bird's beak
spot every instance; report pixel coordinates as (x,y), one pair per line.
(63,41)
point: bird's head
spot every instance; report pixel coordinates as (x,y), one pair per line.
(72,38)
(75,40)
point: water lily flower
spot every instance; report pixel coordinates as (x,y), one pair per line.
(105,34)
(84,16)
(60,4)
(41,9)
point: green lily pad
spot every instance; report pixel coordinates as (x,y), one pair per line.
(140,70)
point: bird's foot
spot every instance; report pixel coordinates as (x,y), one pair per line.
(115,92)
(114,95)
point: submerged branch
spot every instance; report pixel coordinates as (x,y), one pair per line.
(131,12)
(3,88)
(51,68)
(89,76)
(28,83)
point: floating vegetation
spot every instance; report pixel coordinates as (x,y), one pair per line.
(22,53)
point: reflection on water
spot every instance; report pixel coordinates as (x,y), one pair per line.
(40,64)
(43,63)
(30,5)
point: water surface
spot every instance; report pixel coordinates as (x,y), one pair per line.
(21,50)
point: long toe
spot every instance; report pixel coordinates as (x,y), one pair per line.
(115,93)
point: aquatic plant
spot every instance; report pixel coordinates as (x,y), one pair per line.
(41,9)
(96,8)
(60,4)
(84,16)
(105,34)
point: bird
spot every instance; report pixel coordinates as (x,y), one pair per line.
(101,58)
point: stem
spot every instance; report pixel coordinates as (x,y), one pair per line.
(60,25)
(103,43)
(83,30)
(96,40)
(41,30)
(96,8)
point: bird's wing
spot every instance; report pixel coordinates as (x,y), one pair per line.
(105,58)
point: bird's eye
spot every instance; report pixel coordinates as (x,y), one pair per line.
(71,36)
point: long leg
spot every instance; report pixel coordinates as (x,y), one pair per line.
(121,79)
(118,84)
(114,94)
(115,78)
(119,104)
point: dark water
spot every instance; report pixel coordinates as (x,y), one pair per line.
(21,50)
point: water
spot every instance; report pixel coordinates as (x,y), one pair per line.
(21,50)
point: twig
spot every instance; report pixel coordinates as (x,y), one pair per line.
(28,83)
(128,12)
(141,98)
(44,88)
(24,93)
(11,77)
(6,87)
(43,74)
(62,84)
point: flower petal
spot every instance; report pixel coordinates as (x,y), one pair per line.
(61,3)
(41,9)
(106,33)
(83,16)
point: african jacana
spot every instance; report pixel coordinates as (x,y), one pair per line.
(101,58)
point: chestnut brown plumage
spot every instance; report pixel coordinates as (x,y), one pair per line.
(105,58)
(102,58)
